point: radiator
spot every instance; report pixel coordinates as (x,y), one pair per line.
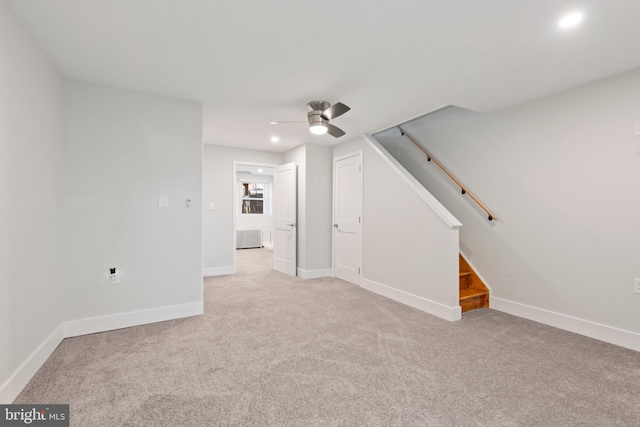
(249,239)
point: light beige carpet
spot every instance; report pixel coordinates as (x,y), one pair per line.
(273,350)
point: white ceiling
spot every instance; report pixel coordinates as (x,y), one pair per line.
(251,62)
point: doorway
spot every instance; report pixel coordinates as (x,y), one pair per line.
(285,248)
(253,224)
(347,218)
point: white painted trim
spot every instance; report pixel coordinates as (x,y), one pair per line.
(234,214)
(110,322)
(346,156)
(442,107)
(584,327)
(314,274)
(218,271)
(422,304)
(12,387)
(446,216)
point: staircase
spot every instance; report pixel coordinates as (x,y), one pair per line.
(473,292)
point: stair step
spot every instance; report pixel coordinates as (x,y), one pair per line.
(465,279)
(471,293)
(472,299)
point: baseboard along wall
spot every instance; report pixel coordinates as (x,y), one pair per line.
(610,334)
(218,271)
(314,274)
(423,304)
(12,387)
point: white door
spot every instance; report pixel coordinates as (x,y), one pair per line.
(347,218)
(284,215)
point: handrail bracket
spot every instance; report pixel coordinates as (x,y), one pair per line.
(464,190)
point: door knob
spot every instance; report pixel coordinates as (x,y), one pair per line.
(291,225)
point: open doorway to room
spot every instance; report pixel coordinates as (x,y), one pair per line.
(253,215)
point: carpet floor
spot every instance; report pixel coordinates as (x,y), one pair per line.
(273,350)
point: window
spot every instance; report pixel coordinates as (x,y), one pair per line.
(254,198)
(253,190)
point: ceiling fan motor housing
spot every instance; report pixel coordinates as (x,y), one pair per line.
(315,116)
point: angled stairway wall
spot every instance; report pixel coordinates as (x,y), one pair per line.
(410,241)
(562,174)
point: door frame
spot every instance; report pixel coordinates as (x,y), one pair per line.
(333,213)
(234,207)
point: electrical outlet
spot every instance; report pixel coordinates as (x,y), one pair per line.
(636,286)
(114,276)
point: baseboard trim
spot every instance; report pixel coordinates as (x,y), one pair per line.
(422,304)
(314,274)
(218,271)
(610,334)
(110,322)
(12,387)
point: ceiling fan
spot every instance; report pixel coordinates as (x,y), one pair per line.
(319,115)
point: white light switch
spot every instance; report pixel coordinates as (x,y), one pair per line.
(163,202)
(211,206)
(637,129)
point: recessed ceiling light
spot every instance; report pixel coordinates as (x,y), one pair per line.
(260,170)
(273,123)
(570,20)
(275,139)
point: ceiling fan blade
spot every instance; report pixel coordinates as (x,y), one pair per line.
(334,131)
(335,110)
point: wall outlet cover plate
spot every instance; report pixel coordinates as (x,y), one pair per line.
(114,278)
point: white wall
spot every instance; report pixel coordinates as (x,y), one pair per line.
(314,208)
(562,175)
(314,216)
(319,202)
(410,242)
(122,150)
(218,181)
(31,293)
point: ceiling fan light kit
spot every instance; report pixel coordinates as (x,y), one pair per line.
(318,124)
(320,112)
(318,128)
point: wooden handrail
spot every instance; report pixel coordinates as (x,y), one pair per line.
(464,189)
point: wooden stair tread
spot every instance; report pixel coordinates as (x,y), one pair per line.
(471,293)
